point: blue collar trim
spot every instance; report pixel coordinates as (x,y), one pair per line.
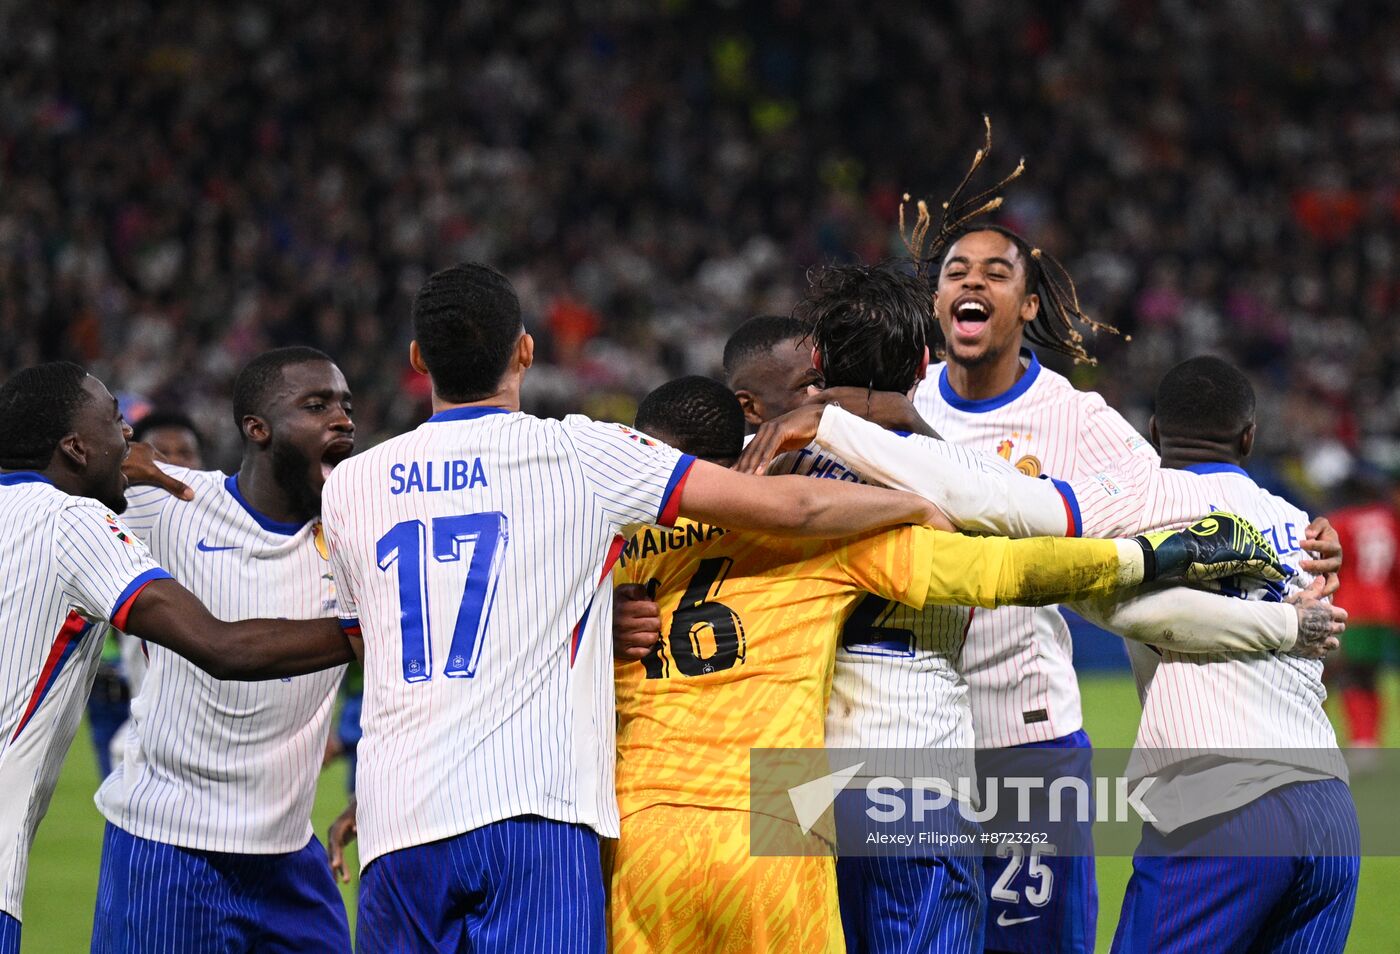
(992,403)
(1217,469)
(263,520)
(24,477)
(465,413)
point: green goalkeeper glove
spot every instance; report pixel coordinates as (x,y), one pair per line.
(1222,544)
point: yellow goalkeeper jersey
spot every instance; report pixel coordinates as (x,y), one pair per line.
(749,626)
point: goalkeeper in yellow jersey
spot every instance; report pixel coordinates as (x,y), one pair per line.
(749,625)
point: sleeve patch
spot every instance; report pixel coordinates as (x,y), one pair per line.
(1109,486)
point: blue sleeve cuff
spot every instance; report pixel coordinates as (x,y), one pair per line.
(1075,522)
(120,607)
(670,497)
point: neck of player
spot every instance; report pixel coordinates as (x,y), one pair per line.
(1178,453)
(986,379)
(258,484)
(507,397)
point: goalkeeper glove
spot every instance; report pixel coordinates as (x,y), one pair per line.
(1222,544)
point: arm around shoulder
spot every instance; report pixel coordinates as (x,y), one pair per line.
(166,613)
(797,506)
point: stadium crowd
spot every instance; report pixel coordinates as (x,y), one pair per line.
(183,185)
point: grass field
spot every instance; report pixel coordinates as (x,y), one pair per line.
(63,868)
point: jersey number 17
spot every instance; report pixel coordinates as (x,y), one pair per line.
(407,546)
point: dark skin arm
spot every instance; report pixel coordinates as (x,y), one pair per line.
(166,613)
(1321,540)
(141,470)
(892,411)
(636,622)
(342,831)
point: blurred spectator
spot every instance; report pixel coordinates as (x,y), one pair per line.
(183,185)
(174,437)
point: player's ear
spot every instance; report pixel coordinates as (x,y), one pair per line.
(1030,307)
(1152,434)
(753,415)
(415,358)
(525,350)
(255,430)
(923,364)
(73,449)
(1247,440)
(817,361)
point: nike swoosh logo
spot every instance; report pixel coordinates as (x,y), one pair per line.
(206,548)
(1004,921)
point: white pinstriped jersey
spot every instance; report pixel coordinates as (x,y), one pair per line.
(220,765)
(1265,709)
(1018,660)
(896,683)
(70,568)
(471,553)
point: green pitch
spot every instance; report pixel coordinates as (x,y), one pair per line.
(63,867)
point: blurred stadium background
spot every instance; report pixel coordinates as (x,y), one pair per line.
(183,185)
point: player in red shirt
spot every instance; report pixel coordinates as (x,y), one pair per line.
(1370,592)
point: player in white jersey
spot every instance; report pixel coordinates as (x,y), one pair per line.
(209,843)
(71,568)
(1255,846)
(469,553)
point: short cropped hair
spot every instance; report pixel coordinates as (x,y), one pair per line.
(37,409)
(870,325)
(466,320)
(758,336)
(701,415)
(1205,397)
(260,378)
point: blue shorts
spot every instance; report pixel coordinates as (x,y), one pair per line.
(157,897)
(923,904)
(525,885)
(1180,898)
(915,897)
(9,934)
(1041,899)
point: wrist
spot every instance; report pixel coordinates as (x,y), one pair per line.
(1133,557)
(1292,622)
(1148,556)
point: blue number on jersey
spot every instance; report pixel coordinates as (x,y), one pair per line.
(406,544)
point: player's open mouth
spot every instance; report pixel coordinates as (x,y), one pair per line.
(335,452)
(970,317)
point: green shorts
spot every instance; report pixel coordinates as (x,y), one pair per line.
(1371,644)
